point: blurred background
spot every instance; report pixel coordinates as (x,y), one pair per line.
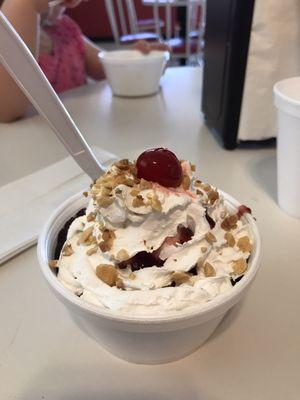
(112,23)
(243,48)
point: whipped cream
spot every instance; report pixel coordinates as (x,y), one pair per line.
(145,250)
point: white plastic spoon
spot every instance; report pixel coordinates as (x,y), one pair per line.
(54,3)
(21,65)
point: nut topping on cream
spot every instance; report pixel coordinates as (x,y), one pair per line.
(147,249)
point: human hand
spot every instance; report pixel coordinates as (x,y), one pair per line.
(72,3)
(145,47)
(42,6)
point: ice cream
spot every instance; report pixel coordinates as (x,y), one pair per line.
(146,248)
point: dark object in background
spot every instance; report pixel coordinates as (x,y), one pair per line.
(228,27)
(62,234)
(92,18)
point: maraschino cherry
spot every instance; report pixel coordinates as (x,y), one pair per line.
(160,165)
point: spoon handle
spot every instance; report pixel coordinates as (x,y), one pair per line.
(22,66)
(54,3)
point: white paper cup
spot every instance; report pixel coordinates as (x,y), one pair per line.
(287,101)
(136,339)
(133,74)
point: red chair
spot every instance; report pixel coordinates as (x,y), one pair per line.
(190,40)
(126,27)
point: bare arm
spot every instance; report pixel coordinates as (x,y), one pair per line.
(93,65)
(23,16)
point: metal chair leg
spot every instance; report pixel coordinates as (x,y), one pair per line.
(156,18)
(168,20)
(112,19)
(122,18)
(132,16)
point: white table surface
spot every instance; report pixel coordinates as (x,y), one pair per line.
(254,353)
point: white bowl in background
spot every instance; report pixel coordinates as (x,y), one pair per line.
(143,340)
(131,73)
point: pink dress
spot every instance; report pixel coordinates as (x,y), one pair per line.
(65,66)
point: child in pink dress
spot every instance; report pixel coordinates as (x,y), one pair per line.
(65,66)
(65,55)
